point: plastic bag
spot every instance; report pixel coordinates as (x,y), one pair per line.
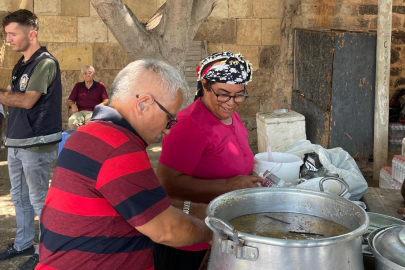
(336,161)
(313,167)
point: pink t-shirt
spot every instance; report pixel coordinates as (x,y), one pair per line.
(202,146)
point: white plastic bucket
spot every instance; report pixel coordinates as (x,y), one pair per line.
(286,166)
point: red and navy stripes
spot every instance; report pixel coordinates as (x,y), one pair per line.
(103,187)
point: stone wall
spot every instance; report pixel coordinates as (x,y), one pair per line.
(262,30)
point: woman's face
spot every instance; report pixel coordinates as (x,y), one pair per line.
(222,110)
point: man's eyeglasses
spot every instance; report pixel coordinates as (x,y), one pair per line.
(172,118)
(225,97)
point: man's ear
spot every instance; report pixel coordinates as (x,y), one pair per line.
(32,34)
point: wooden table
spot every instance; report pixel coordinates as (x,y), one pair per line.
(384,201)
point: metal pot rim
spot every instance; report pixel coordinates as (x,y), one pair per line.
(376,254)
(295,243)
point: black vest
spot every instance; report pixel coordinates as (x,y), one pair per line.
(42,124)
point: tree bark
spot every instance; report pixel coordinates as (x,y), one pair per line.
(168,41)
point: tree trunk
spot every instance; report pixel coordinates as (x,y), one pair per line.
(174,27)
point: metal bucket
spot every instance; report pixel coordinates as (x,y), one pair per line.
(236,250)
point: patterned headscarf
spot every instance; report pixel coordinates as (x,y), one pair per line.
(223,67)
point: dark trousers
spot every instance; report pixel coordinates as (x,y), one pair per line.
(168,258)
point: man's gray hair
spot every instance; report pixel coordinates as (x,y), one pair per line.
(126,83)
(86,67)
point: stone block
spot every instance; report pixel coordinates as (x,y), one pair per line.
(277,98)
(72,56)
(10,57)
(110,56)
(271,31)
(240,8)
(93,12)
(249,32)
(250,125)
(394,56)
(338,23)
(5,77)
(395,71)
(21,4)
(250,53)
(4,5)
(250,107)
(213,48)
(279,131)
(107,77)
(48,7)
(221,9)
(78,8)
(217,31)
(261,84)
(399,82)
(268,9)
(111,37)
(398,9)
(368,9)
(142,8)
(269,56)
(91,29)
(69,79)
(159,3)
(345,10)
(57,29)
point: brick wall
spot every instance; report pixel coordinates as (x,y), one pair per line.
(260,29)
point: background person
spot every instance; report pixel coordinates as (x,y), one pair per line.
(105,205)
(34,125)
(84,97)
(207,153)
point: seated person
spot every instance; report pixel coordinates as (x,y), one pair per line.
(84,97)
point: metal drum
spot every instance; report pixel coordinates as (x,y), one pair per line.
(236,250)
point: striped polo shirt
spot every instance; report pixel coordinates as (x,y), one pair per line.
(102,188)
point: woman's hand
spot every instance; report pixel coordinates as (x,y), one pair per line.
(244,181)
(401,211)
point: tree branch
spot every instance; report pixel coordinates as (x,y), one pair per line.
(200,12)
(126,28)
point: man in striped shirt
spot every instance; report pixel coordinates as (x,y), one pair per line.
(105,205)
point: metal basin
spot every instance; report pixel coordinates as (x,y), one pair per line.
(236,250)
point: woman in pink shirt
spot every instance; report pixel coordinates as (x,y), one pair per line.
(207,153)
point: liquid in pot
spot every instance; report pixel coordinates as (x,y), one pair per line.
(288,226)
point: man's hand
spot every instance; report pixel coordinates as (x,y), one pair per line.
(74,108)
(243,181)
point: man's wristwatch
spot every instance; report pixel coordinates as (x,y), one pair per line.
(186,207)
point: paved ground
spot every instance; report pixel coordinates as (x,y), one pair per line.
(7,215)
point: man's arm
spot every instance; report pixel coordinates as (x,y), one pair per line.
(196,209)
(174,228)
(72,105)
(104,102)
(25,100)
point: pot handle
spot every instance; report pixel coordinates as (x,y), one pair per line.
(337,179)
(222,228)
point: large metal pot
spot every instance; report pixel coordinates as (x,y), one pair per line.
(236,250)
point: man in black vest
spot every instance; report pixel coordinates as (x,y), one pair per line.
(34,125)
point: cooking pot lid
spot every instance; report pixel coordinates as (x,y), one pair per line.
(390,243)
